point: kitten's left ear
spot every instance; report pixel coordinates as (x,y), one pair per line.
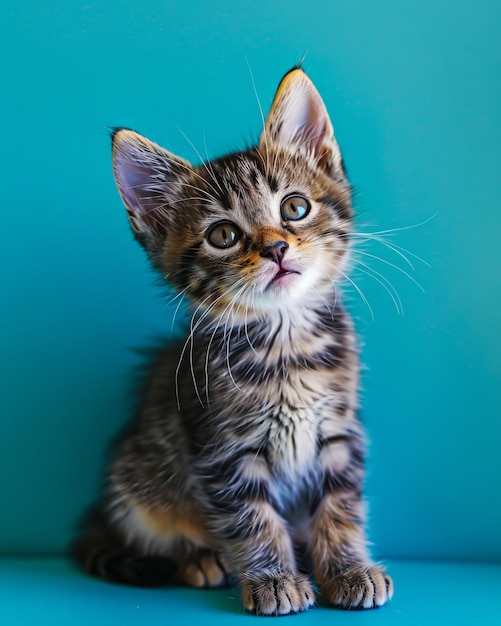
(298,118)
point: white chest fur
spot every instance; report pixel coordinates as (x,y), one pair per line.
(292,442)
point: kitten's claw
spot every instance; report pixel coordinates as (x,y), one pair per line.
(276,592)
(359,588)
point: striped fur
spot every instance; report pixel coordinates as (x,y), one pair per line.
(246,461)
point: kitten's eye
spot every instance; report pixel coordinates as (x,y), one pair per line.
(224,235)
(294,208)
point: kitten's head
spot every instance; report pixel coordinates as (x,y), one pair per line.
(251,231)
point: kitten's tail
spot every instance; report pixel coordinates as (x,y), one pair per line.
(102,553)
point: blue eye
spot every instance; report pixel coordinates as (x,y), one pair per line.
(294,208)
(224,235)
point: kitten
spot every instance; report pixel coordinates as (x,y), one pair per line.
(246,461)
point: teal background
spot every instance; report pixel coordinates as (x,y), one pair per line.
(414,93)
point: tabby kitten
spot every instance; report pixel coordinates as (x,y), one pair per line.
(246,461)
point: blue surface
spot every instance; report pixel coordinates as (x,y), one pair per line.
(54,592)
(414,93)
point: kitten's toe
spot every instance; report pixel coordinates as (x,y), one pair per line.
(207,570)
(365,587)
(276,592)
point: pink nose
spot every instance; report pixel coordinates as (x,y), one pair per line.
(275,251)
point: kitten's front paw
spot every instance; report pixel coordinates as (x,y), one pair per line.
(276,593)
(365,587)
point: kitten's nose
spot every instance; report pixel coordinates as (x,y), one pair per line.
(275,251)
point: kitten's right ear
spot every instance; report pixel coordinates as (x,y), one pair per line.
(148,179)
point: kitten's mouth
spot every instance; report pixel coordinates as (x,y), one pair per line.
(281,275)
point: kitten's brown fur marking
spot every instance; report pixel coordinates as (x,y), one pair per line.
(246,461)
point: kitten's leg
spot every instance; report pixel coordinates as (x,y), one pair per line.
(101,551)
(343,569)
(179,530)
(261,550)
(346,575)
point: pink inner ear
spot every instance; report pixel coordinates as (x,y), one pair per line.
(304,122)
(138,183)
(319,135)
(131,178)
(315,134)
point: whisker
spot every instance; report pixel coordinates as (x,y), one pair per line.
(246,324)
(401,251)
(384,282)
(359,291)
(227,339)
(206,165)
(189,168)
(396,267)
(402,228)
(176,295)
(217,324)
(183,295)
(263,121)
(193,327)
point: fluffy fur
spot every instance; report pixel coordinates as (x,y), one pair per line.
(246,460)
